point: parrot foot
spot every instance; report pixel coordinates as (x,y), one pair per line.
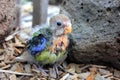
(55,67)
(40,68)
(43,71)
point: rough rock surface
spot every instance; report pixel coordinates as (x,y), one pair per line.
(55,2)
(96,31)
(6,17)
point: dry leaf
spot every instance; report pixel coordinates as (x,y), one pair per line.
(18,67)
(92,74)
(10,47)
(4,46)
(90,77)
(71,68)
(9,58)
(19,70)
(77,69)
(61,74)
(6,67)
(8,51)
(18,43)
(2,64)
(33,78)
(65,76)
(84,75)
(75,77)
(2,57)
(17,50)
(1,51)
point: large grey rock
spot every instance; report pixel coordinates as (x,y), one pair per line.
(96,31)
(7,15)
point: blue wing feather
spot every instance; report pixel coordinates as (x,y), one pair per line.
(36,44)
(40,46)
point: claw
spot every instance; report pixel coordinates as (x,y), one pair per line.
(40,68)
(43,71)
(56,69)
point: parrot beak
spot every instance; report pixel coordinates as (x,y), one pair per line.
(67,29)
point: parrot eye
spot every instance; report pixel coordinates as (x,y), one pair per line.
(59,23)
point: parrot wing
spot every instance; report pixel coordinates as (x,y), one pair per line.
(44,31)
(39,41)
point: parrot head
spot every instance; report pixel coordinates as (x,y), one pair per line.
(60,25)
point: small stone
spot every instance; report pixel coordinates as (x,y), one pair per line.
(104,72)
(98,77)
(116,73)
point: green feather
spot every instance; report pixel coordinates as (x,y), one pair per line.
(42,56)
(46,31)
(52,58)
(45,57)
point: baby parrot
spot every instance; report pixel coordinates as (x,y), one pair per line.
(48,45)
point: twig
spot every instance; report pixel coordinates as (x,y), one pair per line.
(66,76)
(115,78)
(98,66)
(37,71)
(84,67)
(66,70)
(5,67)
(17,73)
(108,75)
